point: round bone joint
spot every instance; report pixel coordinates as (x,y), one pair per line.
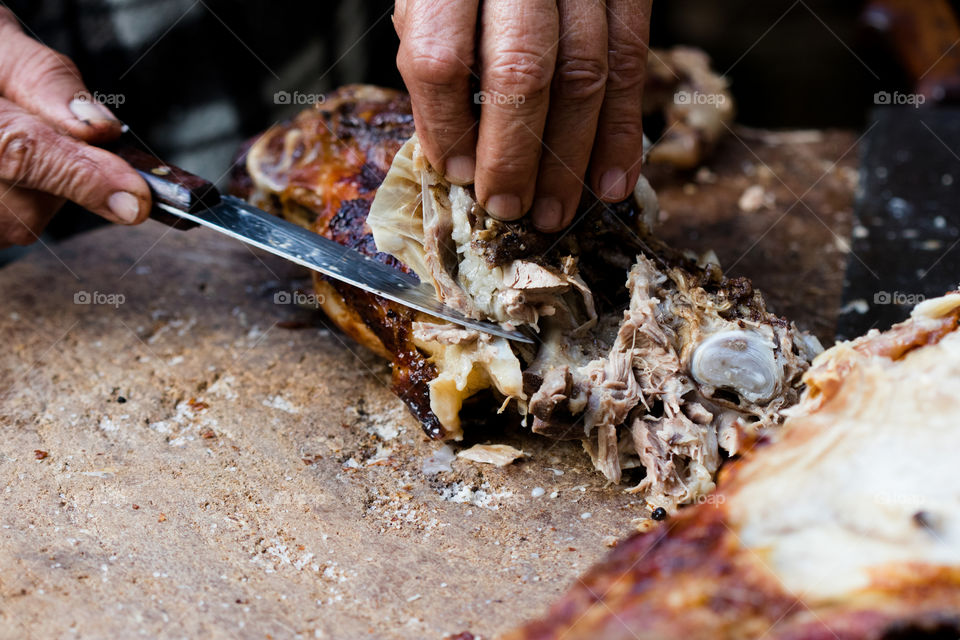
(741,361)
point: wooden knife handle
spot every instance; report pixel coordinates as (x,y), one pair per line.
(924,36)
(170,185)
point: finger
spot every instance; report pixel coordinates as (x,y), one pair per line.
(49,85)
(24,214)
(518,49)
(619,145)
(576,95)
(34,155)
(436,58)
(399,16)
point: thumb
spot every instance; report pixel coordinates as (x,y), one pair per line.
(48,84)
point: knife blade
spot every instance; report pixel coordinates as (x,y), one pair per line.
(183,200)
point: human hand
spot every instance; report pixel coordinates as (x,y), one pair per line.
(561,84)
(47,120)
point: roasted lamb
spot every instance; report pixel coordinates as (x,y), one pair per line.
(648,355)
(846,527)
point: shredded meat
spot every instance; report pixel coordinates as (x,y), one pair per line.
(609,358)
(444,333)
(642,396)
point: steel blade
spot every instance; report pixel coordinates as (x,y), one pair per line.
(256,227)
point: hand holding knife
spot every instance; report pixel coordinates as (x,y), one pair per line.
(183,201)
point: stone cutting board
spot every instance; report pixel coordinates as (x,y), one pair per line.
(183,456)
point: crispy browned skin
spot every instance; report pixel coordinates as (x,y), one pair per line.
(343,150)
(692,577)
(825,380)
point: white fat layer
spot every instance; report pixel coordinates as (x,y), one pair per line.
(867,481)
(936,307)
(467,361)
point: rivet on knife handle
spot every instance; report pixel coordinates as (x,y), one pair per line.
(172,186)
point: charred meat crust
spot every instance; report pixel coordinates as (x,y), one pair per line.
(683,577)
(609,238)
(412,372)
(322,170)
(691,579)
(704,573)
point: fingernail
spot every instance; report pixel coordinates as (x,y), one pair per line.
(504,206)
(88,110)
(460,169)
(124,205)
(547,213)
(613,185)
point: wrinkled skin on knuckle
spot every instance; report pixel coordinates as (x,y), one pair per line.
(628,67)
(512,171)
(433,64)
(49,61)
(518,73)
(580,79)
(18,146)
(627,130)
(79,177)
(40,65)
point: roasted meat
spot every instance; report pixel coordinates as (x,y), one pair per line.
(670,371)
(694,102)
(648,355)
(846,527)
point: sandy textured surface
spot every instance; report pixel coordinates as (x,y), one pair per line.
(196,460)
(209,471)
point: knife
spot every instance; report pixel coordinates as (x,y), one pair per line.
(183,201)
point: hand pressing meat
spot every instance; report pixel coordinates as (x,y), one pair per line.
(48,121)
(558,84)
(649,356)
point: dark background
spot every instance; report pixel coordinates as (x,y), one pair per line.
(791,64)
